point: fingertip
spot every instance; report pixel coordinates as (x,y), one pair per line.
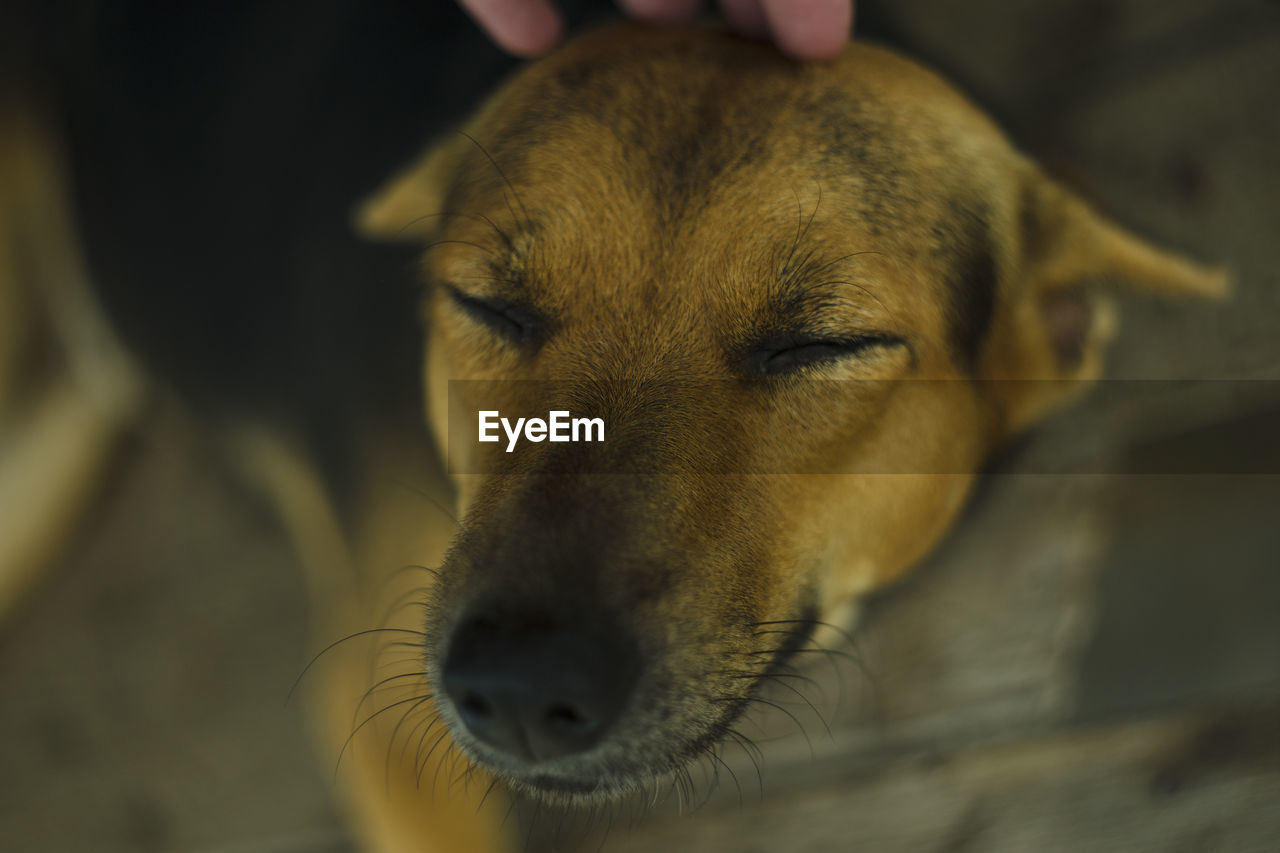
(661,11)
(524,28)
(539,40)
(810,29)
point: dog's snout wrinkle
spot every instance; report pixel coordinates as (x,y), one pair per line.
(539,687)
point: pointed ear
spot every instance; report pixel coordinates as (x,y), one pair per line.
(1057,319)
(406,208)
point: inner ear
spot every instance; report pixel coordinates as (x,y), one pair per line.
(1057,316)
(1069,319)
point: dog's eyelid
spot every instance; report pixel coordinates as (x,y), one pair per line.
(514,322)
(790,352)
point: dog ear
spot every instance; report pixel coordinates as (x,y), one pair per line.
(405,208)
(1057,319)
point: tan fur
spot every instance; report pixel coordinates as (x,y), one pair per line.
(649,184)
(67,388)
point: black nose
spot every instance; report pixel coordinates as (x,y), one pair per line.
(536,686)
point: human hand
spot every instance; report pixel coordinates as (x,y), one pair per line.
(805,29)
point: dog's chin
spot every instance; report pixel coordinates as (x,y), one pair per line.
(570,791)
(578,782)
(592,779)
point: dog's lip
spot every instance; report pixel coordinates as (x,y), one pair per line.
(543,780)
(561,784)
(542,775)
(613,781)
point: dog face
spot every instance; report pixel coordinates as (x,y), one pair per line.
(806,301)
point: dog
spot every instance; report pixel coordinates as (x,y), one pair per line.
(804,303)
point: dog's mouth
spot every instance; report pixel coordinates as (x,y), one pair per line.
(617,770)
(603,726)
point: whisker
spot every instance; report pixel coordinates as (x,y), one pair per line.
(502,235)
(856,658)
(814,622)
(764,676)
(796,633)
(391,742)
(493,783)
(402,601)
(448,242)
(834,261)
(712,752)
(835,653)
(412,567)
(812,707)
(860,288)
(427,760)
(337,643)
(832,657)
(355,715)
(401,645)
(801,234)
(494,163)
(425,724)
(464,778)
(528,838)
(514,802)
(794,719)
(342,752)
(418,757)
(422,493)
(402,660)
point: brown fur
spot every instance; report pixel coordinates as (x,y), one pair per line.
(667,209)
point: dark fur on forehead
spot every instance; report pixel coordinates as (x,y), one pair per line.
(690,117)
(960,240)
(964,245)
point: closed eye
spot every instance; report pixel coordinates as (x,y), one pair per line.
(789,354)
(507,320)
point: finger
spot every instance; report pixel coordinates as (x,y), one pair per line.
(521,27)
(810,29)
(746,18)
(661,11)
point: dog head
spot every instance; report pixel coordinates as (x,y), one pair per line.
(805,301)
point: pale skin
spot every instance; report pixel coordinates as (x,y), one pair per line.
(804,29)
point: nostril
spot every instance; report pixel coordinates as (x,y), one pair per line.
(535,687)
(475,707)
(565,719)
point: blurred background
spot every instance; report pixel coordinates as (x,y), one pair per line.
(1090,662)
